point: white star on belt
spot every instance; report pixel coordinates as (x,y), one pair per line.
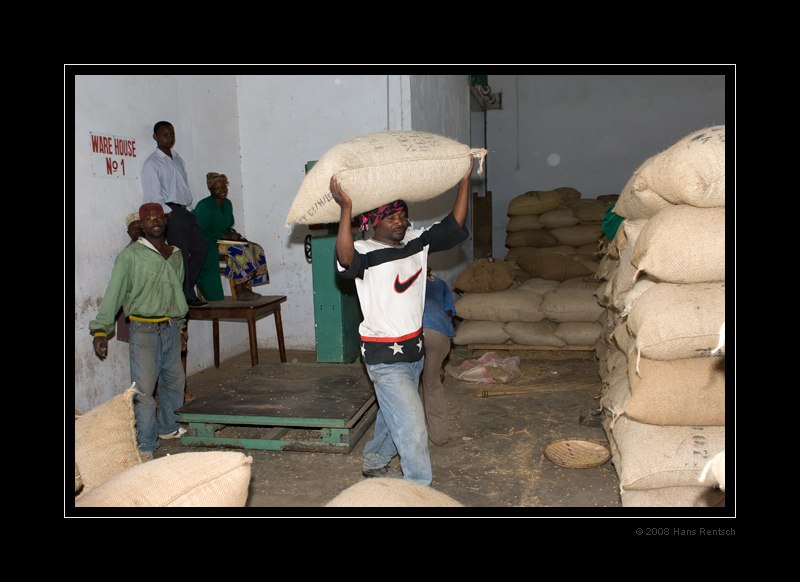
(419,345)
(397,348)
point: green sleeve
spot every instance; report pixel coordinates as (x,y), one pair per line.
(113,298)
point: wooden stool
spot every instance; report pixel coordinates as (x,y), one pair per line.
(249,311)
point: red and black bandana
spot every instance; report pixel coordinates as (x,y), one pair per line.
(373,217)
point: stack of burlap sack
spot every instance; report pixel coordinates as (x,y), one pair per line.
(662,350)
(543,293)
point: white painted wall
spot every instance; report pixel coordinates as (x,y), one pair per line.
(260,130)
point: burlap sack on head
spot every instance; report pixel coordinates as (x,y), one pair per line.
(484,276)
(690,172)
(381,167)
(535,202)
(683,244)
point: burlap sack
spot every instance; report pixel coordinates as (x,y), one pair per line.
(553,264)
(579,333)
(588,210)
(568,193)
(639,205)
(622,337)
(579,234)
(692,171)
(625,276)
(389,492)
(683,244)
(571,304)
(673,321)
(642,284)
(484,276)
(540,333)
(105,441)
(192,479)
(381,167)
(531,238)
(535,202)
(524,222)
(591,250)
(674,497)
(509,305)
(686,392)
(616,397)
(558,218)
(480,332)
(539,285)
(651,456)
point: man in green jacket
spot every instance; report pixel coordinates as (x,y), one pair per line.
(147,281)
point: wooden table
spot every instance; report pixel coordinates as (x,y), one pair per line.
(250,311)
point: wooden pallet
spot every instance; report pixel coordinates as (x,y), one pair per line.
(512,348)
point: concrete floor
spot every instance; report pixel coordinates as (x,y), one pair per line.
(493,463)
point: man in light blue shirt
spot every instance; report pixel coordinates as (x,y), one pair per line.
(164,181)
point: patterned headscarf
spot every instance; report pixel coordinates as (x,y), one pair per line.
(374,217)
(212,177)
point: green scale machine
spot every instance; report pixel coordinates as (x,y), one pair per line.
(322,407)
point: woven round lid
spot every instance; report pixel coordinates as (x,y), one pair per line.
(577,453)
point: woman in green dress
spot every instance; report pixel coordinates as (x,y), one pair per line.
(245,262)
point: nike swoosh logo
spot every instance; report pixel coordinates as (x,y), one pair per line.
(403,287)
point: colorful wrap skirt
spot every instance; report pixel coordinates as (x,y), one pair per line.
(245,262)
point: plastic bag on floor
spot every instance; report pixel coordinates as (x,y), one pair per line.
(491,368)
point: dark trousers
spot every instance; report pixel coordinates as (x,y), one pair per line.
(184,233)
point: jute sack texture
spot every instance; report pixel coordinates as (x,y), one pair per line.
(193,479)
(378,168)
(674,497)
(683,244)
(509,305)
(485,276)
(540,333)
(388,492)
(652,456)
(672,321)
(105,441)
(685,392)
(692,171)
(535,202)
(480,332)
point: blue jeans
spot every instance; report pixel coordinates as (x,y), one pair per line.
(400,423)
(156,356)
